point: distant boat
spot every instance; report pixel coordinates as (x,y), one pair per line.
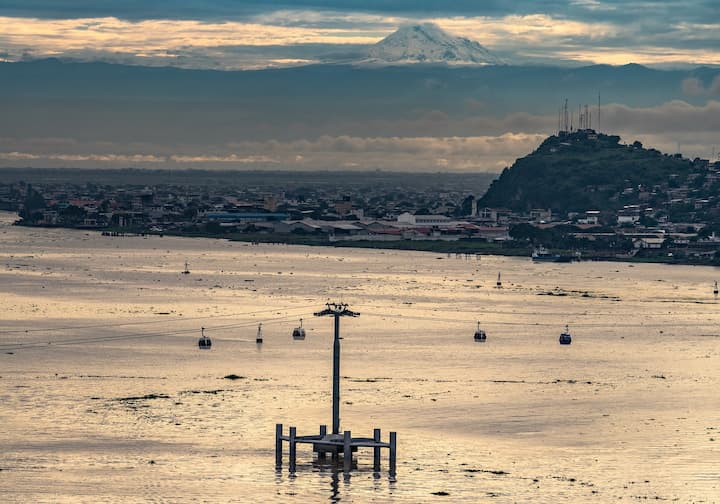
(480,334)
(541,254)
(204,343)
(565,338)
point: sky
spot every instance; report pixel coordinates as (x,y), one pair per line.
(243,35)
(233,33)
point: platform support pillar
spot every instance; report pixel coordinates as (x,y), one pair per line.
(393,452)
(376,451)
(347,452)
(323,433)
(278,445)
(292,449)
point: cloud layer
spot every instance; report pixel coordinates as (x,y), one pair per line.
(672,127)
(581,31)
(487,153)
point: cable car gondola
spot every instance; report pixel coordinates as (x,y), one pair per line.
(299,333)
(480,334)
(565,338)
(204,343)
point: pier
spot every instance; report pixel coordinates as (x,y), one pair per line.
(335,444)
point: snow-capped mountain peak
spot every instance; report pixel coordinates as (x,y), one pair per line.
(428,43)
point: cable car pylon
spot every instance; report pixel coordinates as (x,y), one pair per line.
(338,445)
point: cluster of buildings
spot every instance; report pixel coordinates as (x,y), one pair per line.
(672,218)
(379,214)
(677,217)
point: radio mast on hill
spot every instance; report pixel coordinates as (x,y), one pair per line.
(563,119)
(584,118)
(566,119)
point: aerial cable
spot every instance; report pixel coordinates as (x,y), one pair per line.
(529,324)
(162,321)
(118,337)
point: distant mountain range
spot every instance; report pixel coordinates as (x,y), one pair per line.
(428,43)
(63,107)
(335,90)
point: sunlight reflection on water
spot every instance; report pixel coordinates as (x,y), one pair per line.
(97,411)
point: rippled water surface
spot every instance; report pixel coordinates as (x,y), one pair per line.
(104,396)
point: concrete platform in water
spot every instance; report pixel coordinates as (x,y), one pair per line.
(336,445)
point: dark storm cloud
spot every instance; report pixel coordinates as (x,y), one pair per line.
(212,9)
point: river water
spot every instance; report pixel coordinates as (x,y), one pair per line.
(105,397)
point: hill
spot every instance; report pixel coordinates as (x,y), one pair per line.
(585,171)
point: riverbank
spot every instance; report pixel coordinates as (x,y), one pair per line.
(474,246)
(461,246)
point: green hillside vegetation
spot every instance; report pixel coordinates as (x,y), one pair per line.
(583,171)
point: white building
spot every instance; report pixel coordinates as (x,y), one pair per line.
(422,220)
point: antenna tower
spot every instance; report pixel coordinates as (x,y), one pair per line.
(587,117)
(559,123)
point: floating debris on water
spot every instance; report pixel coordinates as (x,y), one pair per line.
(143,398)
(489,471)
(234,377)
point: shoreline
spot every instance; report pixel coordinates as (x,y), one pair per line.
(459,247)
